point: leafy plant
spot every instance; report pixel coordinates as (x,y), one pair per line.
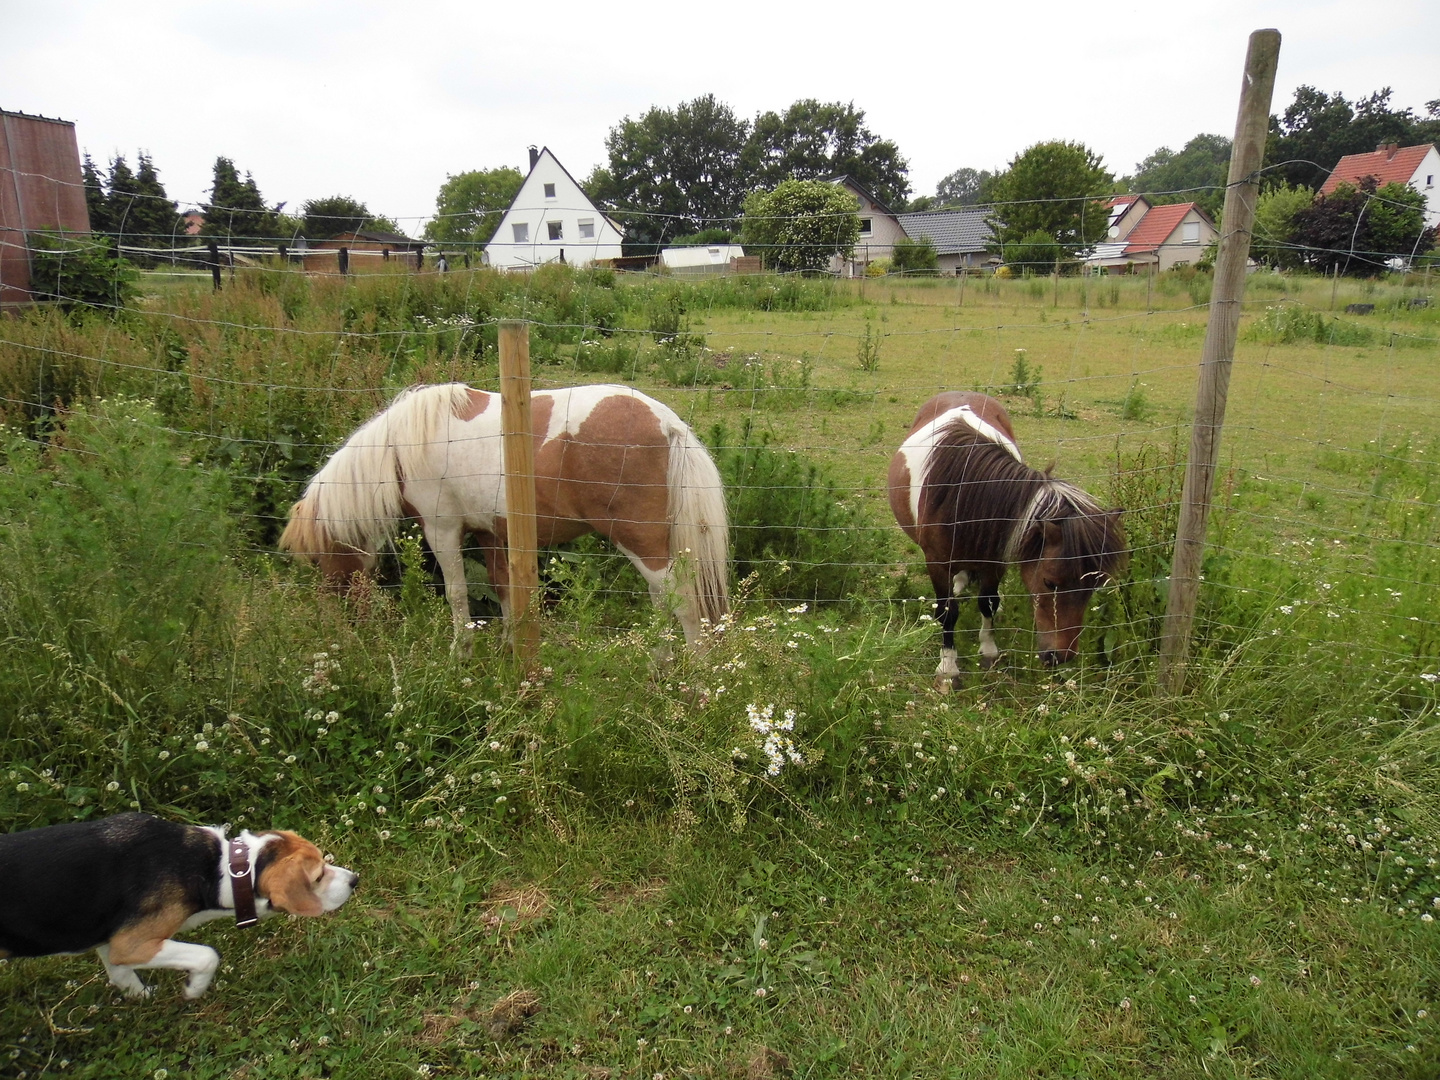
(79,272)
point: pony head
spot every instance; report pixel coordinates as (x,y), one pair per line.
(307,538)
(1067,551)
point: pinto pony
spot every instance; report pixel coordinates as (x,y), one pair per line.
(608,460)
(960,490)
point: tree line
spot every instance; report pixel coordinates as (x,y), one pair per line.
(133,207)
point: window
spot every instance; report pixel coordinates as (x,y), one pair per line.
(1429,179)
(522,232)
(556,232)
(864,226)
(1190,232)
(587,228)
(549,191)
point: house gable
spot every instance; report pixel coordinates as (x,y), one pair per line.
(1418,166)
(551,219)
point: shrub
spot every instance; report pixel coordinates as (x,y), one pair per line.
(915,256)
(77,271)
(789,523)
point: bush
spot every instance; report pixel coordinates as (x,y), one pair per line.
(77,271)
(915,257)
(789,523)
(1289,324)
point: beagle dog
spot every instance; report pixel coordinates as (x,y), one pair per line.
(123,885)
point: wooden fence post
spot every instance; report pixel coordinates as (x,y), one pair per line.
(1218,353)
(215,264)
(522,557)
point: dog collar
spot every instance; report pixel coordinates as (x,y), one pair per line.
(242,883)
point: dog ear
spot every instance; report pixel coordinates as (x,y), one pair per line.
(288,881)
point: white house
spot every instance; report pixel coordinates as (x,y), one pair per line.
(551,220)
(1418,166)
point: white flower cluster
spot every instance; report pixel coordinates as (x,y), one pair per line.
(778,747)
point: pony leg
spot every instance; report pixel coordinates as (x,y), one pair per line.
(664,594)
(947,613)
(989,604)
(446,545)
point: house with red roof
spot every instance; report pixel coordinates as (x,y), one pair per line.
(1162,237)
(1418,166)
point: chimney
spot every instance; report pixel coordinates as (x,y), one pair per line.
(1386,148)
(534,156)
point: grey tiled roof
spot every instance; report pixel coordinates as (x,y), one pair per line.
(953,232)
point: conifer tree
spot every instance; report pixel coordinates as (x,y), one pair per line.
(95,201)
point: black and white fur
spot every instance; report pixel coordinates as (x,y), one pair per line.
(107,884)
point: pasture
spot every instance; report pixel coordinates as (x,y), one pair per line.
(593,869)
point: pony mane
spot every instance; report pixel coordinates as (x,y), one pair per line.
(974,482)
(1091,540)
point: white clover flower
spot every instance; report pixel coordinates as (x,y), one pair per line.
(202,746)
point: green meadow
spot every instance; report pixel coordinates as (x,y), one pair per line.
(592,869)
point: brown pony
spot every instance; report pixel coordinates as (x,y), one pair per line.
(608,460)
(959,489)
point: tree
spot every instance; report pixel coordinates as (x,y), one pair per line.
(812,140)
(964,187)
(121,196)
(1358,230)
(1275,226)
(235,210)
(674,170)
(1317,129)
(801,224)
(1034,253)
(1055,188)
(1197,174)
(154,217)
(325,219)
(470,205)
(95,201)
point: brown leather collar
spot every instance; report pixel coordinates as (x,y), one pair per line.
(242,883)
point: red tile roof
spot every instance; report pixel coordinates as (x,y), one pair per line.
(1386,166)
(1156,226)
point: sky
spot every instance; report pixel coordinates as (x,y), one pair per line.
(382,101)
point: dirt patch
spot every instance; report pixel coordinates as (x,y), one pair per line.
(511,1013)
(609,895)
(515,907)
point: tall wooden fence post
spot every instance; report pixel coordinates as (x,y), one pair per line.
(522,558)
(1218,353)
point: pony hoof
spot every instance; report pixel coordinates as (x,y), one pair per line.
(988,662)
(944,684)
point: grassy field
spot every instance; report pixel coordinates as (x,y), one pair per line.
(588,870)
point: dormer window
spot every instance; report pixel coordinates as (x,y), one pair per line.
(550,191)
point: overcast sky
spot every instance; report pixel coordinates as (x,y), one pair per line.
(380,101)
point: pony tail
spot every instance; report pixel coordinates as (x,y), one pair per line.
(699,526)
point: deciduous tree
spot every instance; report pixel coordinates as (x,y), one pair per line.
(1274,235)
(1318,129)
(324,219)
(1197,174)
(470,205)
(1358,230)
(1055,188)
(964,187)
(813,140)
(801,224)
(673,171)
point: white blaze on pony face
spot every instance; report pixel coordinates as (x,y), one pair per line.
(916,450)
